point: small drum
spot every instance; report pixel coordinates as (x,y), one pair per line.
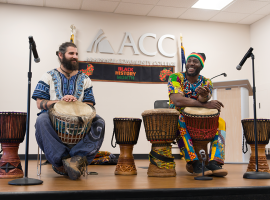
(126,132)
(161,126)
(202,125)
(263,134)
(12,132)
(71,120)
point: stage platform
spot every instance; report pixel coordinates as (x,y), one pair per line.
(106,185)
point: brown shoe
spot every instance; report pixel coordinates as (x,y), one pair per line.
(75,166)
(60,170)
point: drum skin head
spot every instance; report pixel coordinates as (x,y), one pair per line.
(75,108)
(200,111)
(161,111)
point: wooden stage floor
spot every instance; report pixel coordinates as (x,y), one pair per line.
(106,180)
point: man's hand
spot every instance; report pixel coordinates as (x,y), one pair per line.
(203,91)
(214,104)
(69,98)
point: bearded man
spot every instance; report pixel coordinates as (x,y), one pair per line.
(190,89)
(66,83)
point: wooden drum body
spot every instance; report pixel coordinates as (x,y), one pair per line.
(71,120)
(263,133)
(12,132)
(161,126)
(126,132)
(202,125)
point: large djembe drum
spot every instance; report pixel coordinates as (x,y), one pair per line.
(71,120)
(161,127)
(126,131)
(12,132)
(202,125)
(263,133)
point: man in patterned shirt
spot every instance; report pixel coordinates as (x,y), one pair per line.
(190,89)
(68,84)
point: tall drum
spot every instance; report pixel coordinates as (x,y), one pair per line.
(71,120)
(263,134)
(161,126)
(126,132)
(202,125)
(12,132)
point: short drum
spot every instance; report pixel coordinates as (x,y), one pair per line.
(126,131)
(263,134)
(161,127)
(71,120)
(12,133)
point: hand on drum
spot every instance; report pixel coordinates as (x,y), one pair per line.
(69,98)
(214,104)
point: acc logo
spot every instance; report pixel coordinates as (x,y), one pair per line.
(104,46)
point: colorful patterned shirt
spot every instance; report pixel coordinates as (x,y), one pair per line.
(178,83)
(53,85)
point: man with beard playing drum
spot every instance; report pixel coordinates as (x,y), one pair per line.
(190,89)
(68,84)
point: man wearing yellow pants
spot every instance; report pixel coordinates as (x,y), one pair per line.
(190,89)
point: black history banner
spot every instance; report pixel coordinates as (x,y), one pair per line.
(116,72)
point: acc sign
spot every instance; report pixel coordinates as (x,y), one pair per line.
(104,46)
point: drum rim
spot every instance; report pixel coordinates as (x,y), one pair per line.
(158,111)
(126,119)
(200,116)
(13,113)
(258,120)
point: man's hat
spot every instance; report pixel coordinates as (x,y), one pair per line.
(200,56)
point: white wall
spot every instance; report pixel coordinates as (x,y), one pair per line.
(259,37)
(224,46)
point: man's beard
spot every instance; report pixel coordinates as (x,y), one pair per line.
(69,65)
(197,71)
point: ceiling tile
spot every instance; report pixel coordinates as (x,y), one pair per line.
(251,19)
(27,2)
(199,14)
(152,2)
(133,9)
(96,5)
(68,4)
(170,12)
(177,3)
(263,11)
(228,17)
(245,6)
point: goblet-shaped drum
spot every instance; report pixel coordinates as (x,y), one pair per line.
(161,127)
(71,120)
(202,125)
(12,132)
(126,132)
(263,133)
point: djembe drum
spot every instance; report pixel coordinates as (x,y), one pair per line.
(202,125)
(126,132)
(12,132)
(71,120)
(263,133)
(161,126)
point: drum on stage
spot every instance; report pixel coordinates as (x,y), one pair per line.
(202,125)
(126,131)
(263,134)
(161,126)
(12,132)
(71,120)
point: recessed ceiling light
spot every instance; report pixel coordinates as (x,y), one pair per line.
(211,4)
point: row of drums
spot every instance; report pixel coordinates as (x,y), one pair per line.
(72,120)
